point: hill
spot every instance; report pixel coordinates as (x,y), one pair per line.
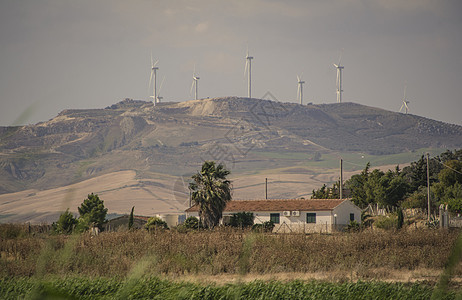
(251,136)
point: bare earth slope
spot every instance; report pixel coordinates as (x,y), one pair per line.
(153,148)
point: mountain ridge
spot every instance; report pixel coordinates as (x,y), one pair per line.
(175,137)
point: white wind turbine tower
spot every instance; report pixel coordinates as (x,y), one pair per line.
(300,89)
(153,77)
(339,80)
(405,103)
(194,83)
(248,67)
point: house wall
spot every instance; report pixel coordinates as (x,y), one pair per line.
(172,220)
(343,213)
(295,224)
(325,221)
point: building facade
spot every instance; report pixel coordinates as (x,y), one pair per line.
(294,215)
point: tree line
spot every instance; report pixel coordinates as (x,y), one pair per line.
(406,188)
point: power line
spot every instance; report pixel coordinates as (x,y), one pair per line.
(449,167)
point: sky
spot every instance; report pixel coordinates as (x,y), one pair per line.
(64,54)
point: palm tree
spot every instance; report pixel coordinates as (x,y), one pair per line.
(211,191)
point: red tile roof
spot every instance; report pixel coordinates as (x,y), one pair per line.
(278,205)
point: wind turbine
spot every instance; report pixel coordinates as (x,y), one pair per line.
(194,83)
(405,103)
(248,67)
(339,80)
(153,76)
(300,89)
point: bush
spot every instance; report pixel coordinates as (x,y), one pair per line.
(455,205)
(353,226)
(65,223)
(191,223)
(386,222)
(242,220)
(156,223)
(264,227)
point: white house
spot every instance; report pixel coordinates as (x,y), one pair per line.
(294,215)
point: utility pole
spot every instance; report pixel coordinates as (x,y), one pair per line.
(428,187)
(266,188)
(341,179)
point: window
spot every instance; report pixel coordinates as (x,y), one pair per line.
(310,217)
(352,217)
(274,218)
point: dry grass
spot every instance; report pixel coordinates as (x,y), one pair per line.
(407,256)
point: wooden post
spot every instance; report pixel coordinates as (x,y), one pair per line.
(428,188)
(341,179)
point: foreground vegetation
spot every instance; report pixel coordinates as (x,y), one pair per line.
(224,251)
(155,288)
(130,264)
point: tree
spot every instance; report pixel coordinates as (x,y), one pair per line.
(65,223)
(242,220)
(326,192)
(130,219)
(416,173)
(92,211)
(156,222)
(210,192)
(387,189)
(356,186)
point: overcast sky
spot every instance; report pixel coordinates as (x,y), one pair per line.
(60,54)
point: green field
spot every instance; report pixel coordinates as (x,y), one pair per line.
(353,161)
(155,288)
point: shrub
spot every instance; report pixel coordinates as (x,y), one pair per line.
(264,227)
(191,223)
(353,226)
(156,223)
(242,220)
(65,223)
(386,222)
(455,205)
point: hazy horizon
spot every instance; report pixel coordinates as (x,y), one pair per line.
(58,55)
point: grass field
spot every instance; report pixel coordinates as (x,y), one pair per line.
(226,264)
(155,288)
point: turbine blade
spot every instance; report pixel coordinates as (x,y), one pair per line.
(246,66)
(160,87)
(150,80)
(192,86)
(152,65)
